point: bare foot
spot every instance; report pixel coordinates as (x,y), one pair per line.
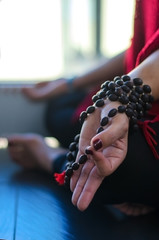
(133,209)
(31,151)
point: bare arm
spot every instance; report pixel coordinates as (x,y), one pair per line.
(148,71)
(111,67)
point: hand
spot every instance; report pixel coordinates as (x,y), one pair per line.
(112,143)
(45,90)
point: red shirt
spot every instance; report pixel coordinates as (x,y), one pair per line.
(146,37)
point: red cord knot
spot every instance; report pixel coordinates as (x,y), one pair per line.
(60,178)
(149,134)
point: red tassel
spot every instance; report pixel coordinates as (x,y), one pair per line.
(60,177)
(149,133)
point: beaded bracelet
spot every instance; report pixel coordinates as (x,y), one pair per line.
(135,99)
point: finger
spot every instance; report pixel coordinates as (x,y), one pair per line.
(104,165)
(80,183)
(111,134)
(19,139)
(42,84)
(86,195)
(87,132)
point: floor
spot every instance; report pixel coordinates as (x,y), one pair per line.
(33,207)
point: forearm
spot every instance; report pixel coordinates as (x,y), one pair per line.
(148,71)
(111,68)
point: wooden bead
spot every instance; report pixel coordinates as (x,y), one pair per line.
(90,109)
(99,103)
(75,166)
(100,129)
(104,121)
(137,81)
(83,158)
(121,109)
(112,112)
(72,146)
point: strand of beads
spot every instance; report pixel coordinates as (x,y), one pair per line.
(135,99)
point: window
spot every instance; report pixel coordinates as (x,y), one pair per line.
(30,39)
(46,39)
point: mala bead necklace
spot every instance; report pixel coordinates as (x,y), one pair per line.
(135,99)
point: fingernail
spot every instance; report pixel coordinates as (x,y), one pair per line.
(97,144)
(88,151)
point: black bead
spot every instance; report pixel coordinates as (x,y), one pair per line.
(141,102)
(129,112)
(119,82)
(83,116)
(76,138)
(133,98)
(146,88)
(69,172)
(105,84)
(99,103)
(145,98)
(67,181)
(129,84)
(139,107)
(70,157)
(102,94)
(132,105)
(112,112)
(133,120)
(139,89)
(82,159)
(140,115)
(109,92)
(95,98)
(75,166)
(118,91)
(100,129)
(72,146)
(125,78)
(90,109)
(136,94)
(116,78)
(111,86)
(135,114)
(151,99)
(121,109)
(88,151)
(137,81)
(102,86)
(123,99)
(113,97)
(125,88)
(104,121)
(148,106)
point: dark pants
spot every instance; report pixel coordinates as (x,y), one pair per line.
(137,178)
(59,117)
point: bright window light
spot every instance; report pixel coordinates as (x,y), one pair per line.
(30,39)
(117,25)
